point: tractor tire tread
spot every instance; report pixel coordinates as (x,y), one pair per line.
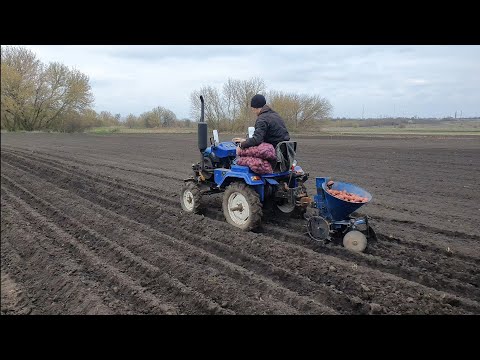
(256,206)
(197,197)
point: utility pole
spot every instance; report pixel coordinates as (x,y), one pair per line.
(363,111)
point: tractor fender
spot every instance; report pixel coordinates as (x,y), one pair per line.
(223,177)
(230,176)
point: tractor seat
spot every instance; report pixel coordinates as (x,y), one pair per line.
(285,151)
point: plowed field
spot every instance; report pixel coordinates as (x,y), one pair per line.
(93,225)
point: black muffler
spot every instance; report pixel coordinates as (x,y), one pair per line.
(202,133)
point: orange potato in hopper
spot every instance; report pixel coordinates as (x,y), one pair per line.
(346,196)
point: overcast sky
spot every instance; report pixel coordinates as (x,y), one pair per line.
(394,80)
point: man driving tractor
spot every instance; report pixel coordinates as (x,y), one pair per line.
(269,126)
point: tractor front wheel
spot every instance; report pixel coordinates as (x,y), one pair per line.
(191,197)
(242,207)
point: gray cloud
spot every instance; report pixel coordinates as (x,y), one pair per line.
(413,80)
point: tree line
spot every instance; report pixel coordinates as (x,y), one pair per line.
(229,108)
(38,96)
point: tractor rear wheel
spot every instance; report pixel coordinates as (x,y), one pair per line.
(191,198)
(242,207)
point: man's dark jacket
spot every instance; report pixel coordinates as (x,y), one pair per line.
(269,128)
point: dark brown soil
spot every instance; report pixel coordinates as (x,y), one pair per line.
(93,225)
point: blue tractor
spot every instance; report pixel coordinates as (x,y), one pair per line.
(247,195)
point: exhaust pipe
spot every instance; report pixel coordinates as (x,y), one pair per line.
(202,133)
(202,114)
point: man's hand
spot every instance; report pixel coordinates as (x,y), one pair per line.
(238,140)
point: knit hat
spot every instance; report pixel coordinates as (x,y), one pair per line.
(258,101)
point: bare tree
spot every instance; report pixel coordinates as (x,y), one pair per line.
(19,70)
(168,118)
(131,121)
(215,114)
(299,111)
(245,90)
(36,96)
(158,116)
(231,105)
(287,105)
(231,109)
(149,119)
(106,118)
(313,108)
